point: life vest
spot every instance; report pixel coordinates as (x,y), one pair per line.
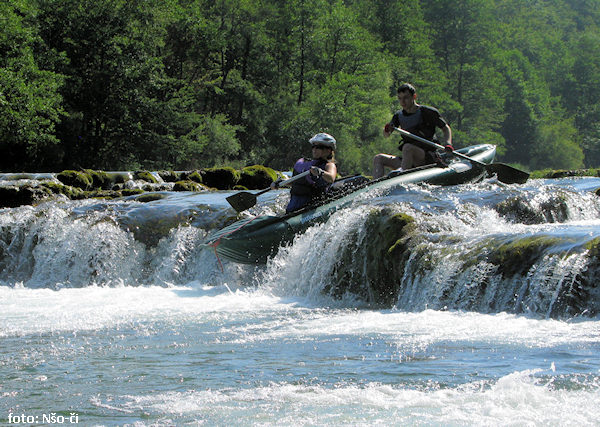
(309,186)
(425,128)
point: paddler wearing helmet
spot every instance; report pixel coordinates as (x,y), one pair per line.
(322,173)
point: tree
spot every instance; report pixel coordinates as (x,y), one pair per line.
(30,103)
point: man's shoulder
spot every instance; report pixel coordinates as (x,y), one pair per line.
(428,109)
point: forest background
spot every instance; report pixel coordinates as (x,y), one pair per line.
(183,84)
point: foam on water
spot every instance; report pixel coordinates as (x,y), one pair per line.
(521,398)
(40,311)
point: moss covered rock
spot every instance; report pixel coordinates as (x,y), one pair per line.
(75,179)
(196,177)
(563,173)
(169,176)
(72,193)
(131,191)
(519,209)
(145,176)
(100,179)
(257,177)
(119,177)
(12,197)
(382,244)
(221,178)
(150,197)
(187,186)
(104,194)
(517,257)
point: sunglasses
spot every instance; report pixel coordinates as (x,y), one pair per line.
(320,147)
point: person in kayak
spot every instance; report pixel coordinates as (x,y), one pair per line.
(322,173)
(420,120)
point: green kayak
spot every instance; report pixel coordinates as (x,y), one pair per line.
(253,240)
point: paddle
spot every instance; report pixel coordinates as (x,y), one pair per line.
(244,200)
(506,174)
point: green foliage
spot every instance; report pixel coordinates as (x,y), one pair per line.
(30,103)
(173,84)
(557,147)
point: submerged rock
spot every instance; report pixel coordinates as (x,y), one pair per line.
(518,209)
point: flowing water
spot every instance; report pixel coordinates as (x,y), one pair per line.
(484,311)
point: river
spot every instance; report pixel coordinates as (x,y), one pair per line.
(115,313)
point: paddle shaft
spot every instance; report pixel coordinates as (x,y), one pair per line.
(294,178)
(505,173)
(286,182)
(433,144)
(245,200)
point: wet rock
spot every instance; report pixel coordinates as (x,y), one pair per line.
(100,179)
(196,177)
(145,176)
(157,187)
(187,186)
(75,179)
(103,194)
(169,176)
(564,173)
(150,197)
(221,178)
(73,193)
(517,257)
(257,177)
(383,245)
(581,295)
(517,209)
(89,183)
(12,197)
(131,191)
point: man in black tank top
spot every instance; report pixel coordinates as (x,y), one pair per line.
(419,120)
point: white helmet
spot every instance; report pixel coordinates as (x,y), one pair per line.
(323,139)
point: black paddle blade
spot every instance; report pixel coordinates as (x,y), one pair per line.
(507,174)
(242,201)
